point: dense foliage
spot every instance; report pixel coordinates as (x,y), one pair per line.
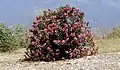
(11,38)
(60,34)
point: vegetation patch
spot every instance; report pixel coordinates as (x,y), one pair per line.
(12,38)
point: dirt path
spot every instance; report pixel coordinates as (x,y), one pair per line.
(109,61)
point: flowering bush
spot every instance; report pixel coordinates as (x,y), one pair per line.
(60,34)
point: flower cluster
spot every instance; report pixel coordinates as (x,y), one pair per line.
(60,34)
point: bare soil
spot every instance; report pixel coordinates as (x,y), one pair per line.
(107,61)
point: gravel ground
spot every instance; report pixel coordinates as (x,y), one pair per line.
(107,61)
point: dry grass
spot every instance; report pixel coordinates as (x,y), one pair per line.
(108,45)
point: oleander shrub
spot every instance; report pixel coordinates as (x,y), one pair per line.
(60,34)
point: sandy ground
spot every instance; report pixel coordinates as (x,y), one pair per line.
(107,61)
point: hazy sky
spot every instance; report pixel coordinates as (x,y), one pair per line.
(98,12)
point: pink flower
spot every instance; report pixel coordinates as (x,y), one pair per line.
(72,34)
(66,35)
(83,49)
(33,43)
(36,54)
(63,41)
(71,55)
(44,44)
(48,48)
(48,25)
(49,29)
(52,24)
(38,21)
(71,29)
(57,50)
(57,26)
(75,50)
(59,41)
(83,35)
(63,29)
(58,21)
(65,14)
(56,54)
(32,29)
(79,36)
(54,28)
(66,30)
(65,25)
(75,38)
(80,41)
(56,41)
(37,40)
(40,35)
(33,52)
(54,16)
(73,14)
(77,10)
(66,52)
(48,19)
(67,39)
(76,23)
